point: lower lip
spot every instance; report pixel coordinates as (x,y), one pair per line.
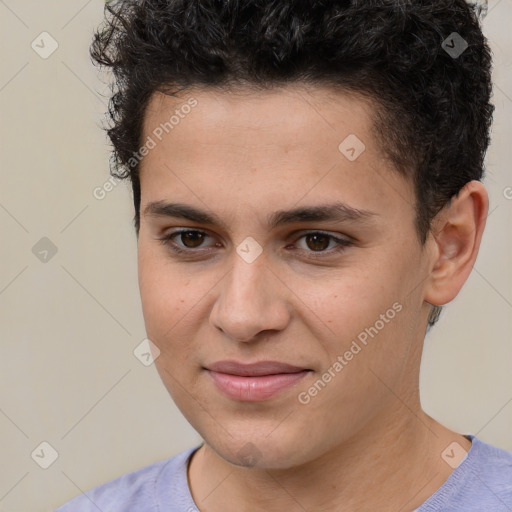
(254,389)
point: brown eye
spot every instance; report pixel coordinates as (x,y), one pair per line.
(187,242)
(192,239)
(317,244)
(317,241)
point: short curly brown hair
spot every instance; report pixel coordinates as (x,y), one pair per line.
(434,112)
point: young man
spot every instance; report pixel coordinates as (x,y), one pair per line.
(307,192)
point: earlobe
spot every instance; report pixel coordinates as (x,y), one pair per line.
(456,236)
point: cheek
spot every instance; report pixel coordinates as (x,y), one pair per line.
(165,292)
(168,300)
(350,301)
(364,319)
(176,299)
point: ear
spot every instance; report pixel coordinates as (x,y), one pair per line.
(455,240)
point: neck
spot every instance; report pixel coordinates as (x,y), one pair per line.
(394,464)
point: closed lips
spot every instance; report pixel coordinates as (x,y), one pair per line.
(254,369)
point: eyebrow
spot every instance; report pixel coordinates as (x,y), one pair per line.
(337,212)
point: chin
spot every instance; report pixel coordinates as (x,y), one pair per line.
(257,451)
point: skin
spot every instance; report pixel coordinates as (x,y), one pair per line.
(363,442)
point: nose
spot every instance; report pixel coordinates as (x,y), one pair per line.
(251,299)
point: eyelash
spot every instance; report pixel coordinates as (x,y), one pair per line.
(342,244)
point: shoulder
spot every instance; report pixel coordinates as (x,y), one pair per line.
(137,490)
(482,481)
(492,469)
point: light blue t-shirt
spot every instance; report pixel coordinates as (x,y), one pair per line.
(481,483)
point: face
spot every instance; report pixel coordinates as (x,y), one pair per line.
(268,235)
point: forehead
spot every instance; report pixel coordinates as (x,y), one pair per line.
(305,141)
(246,115)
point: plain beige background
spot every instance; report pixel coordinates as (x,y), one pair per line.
(69,326)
